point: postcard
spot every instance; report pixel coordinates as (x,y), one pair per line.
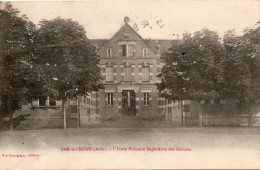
(131,84)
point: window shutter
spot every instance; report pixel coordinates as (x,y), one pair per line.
(144,98)
(106,99)
(150,71)
(109,74)
(120,52)
(112,99)
(128,73)
(122,73)
(145,74)
(150,98)
(114,73)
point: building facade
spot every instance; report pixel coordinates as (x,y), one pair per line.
(130,65)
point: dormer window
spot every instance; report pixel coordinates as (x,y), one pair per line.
(130,50)
(109,52)
(127,49)
(145,52)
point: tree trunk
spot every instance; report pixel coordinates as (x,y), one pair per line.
(250,117)
(1,120)
(78,113)
(64,114)
(11,125)
(200,115)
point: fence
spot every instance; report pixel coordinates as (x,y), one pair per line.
(79,112)
(210,113)
(88,109)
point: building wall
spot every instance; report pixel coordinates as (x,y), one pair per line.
(136,64)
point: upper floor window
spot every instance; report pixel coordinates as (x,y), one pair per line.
(127,50)
(130,50)
(145,52)
(128,73)
(145,74)
(109,52)
(124,50)
(109,74)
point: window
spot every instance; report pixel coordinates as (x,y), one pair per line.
(124,50)
(109,99)
(145,52)
(128,74)
(146,99)
(109,74)
(126,35)
(145,74)
(130,50)
(109,52)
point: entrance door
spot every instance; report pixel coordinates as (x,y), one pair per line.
(128,103)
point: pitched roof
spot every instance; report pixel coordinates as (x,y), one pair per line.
(155,44)
(163,44)
(99,42)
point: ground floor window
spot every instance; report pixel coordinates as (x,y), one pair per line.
(146,99)
(109,99)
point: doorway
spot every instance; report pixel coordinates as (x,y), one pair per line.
(128,102)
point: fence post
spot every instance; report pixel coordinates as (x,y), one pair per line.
(64,114)
(250,119)
(78,111)
(200,117)
(182,113)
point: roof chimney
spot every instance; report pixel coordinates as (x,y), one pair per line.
(126,19)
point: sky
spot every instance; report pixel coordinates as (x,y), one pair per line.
(155,19)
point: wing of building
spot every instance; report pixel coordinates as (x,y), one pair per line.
(129,67)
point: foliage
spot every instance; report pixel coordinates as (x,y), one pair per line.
(17,73)
(192,68)
(66,59)
(203,67)
(240,73)
(55,60)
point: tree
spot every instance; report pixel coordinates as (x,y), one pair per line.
(66,59)
(241,67)
(17,73)
(192,68)
(202,67)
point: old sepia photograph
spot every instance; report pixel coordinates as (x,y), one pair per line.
(130,84)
